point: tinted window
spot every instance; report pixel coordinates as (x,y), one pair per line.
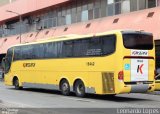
(138,41)
(67,49)
(50,50)
(94,47)
(38,51)
(86,47)
(80,47)
(26,52)
(103,45)
(109,44)
(17,53)
(59,49)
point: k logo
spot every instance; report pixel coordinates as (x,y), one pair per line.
(139,68)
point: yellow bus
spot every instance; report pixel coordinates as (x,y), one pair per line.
(157,53)
(114,62)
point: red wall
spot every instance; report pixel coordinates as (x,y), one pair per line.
(26,6)
(138,20)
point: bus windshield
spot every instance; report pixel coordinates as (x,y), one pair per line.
(138,41)
(8,60)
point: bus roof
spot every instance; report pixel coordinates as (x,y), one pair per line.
(77,36)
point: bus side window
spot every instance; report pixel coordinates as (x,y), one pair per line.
(59,49)
(80,47)
(50,50)
(27,52)
(109,44)
(67,49)
(94,47)
(17,53)
(38,51)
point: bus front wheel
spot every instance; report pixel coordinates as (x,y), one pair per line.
(16,83)
(79,88)
(64,87)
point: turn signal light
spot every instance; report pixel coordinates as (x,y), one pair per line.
(120,75)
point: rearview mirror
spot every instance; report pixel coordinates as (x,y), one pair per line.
(158,71)
(3,63)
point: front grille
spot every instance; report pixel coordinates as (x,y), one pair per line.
(108,82)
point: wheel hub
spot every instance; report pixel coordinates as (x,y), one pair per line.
(65,87)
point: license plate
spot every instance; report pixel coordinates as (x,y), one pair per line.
(139,82)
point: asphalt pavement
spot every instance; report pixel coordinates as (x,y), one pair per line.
(39,101)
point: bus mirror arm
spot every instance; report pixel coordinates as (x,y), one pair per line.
(158,73)
(157,76)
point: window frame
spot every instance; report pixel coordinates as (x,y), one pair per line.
(136,33)
(60,48)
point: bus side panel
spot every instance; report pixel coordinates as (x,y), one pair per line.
(152,65)
(119,84)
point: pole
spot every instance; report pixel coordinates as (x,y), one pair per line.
(20,32)
(20,21)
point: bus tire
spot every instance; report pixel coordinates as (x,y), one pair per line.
(79,88)
(16,84)
(65,87)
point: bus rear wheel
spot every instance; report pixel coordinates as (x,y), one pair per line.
(16,84)
(79,88)
(64,87)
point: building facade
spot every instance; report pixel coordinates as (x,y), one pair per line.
(73,11)
(25,21)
